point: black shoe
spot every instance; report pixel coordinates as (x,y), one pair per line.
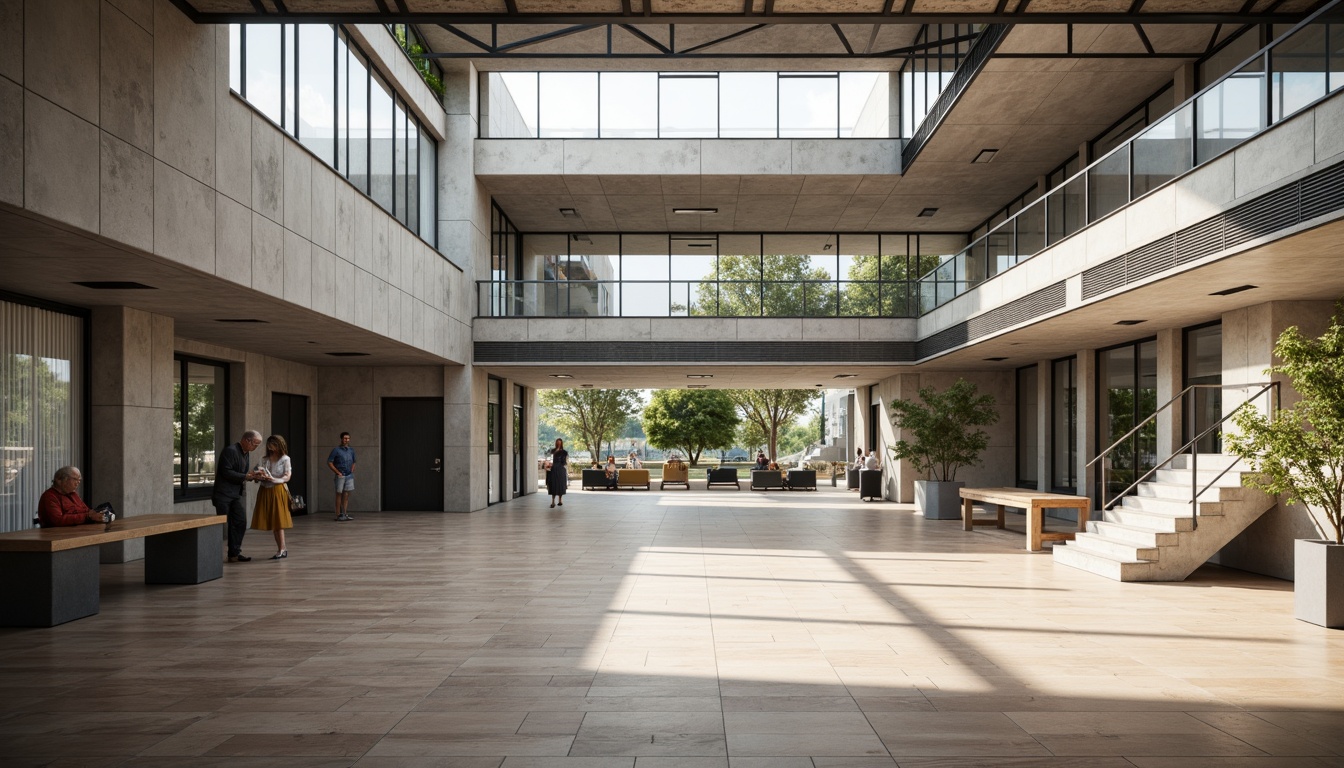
(281,555)
(239,559)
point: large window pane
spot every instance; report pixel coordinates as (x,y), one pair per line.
(342,106)
(1164,151)
(381,137)
(199,425)
(739,276)
(358,172)
(1108,184)
(317,90)
(288,46)
(1231,112)
(236,58)
(428,186)
(688,106)
(629,105)
(865,105)
(809,106)
(859,269)
(512,101)
(568,105)
(692,264)
(412,176)
(263,84)
(1299,67)
(1064,425)
(1028,433)
(645,269)
(398,162)
(747,105)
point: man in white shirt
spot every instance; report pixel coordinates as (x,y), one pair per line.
(871,462)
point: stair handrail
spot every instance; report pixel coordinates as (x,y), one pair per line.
(1108,503)
(1195,490)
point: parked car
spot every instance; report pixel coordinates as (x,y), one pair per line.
(737,458)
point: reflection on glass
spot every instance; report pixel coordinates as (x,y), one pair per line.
(1108,184)
(1064,425)
(568,105)
(399,162)
(512,100)
(359,123)
(1028,434)
(380,143)
(865,110)
(688,106)
(263,69)
(1164,151)
(629,105)
(1298,71)
(235,58)
(1204,365)
(1030,231)
(317,91)
(1231,112)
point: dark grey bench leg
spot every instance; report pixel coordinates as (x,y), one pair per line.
(43,589)
(184,557)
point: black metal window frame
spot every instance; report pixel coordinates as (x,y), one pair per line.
(1017,421)
(1055,436)
(182,490)
(1101,436)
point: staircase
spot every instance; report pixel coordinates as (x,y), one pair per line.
(1150,536)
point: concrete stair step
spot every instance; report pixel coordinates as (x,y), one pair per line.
(1175,491)
(1171,506)
(1166,476)
(1153,521)
(1117,549)
(1102,565)
(1212,461)
(1140,537)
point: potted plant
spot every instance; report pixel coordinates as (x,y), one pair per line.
(941,435)
(1298,453)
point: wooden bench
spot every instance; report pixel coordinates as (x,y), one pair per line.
(632,478)
(1034,502)
(50,575)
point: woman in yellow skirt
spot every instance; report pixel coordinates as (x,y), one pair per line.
(272,510)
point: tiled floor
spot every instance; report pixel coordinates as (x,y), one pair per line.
(673,630)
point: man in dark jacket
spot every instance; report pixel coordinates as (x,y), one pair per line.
(231,476)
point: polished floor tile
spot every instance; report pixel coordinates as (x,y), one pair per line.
(673,630)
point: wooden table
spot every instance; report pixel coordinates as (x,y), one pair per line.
(1034,502)
(50,575)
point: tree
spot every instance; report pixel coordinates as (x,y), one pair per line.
(940,429)
(796,437)
(200,423)
(771,409)
(594,415)
(750,436)
(769,286)
(899,292)
(693,420)
(1299,451)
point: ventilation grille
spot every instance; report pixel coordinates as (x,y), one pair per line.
(1316,195)
(942,341)
(693,352)
(1032,305)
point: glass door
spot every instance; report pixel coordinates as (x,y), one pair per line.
(1204,365)
(1127,380)
(1064,425)
(1028,435)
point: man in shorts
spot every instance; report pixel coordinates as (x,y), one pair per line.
(341,460)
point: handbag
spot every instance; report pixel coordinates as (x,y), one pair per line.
(296,502)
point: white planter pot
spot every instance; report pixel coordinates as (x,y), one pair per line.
(939,500)
(1318,582)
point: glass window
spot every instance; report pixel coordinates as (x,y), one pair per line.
(317,90)
(809,105)
(629,105)
(1204,367)
(429,163)
(693,260)
(568,105)
(1028,432)
(359,123)
(1299,70)
(865,109)
(263,84)
(236,58)
(412,176)
(398,161)
(688,106)
(200,426)
(289,51)
(1064,425)
(513,105)
(645,269)
(342,105)
(739,277)
(1164,151)
(1108,184)
(1127,379)
(747,105)
(381,136)
(1231,112)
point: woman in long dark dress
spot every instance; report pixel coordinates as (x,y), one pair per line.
(557,476)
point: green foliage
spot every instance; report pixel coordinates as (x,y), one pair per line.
(416,51)
(751,436)
(34,396)
(633,430)
(734,288)
(942,429)
(898,296)
(795,437)
(692,420)
(1299,451)
(199,420)
(594,415)
(771,410)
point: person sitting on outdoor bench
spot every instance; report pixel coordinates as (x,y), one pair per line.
(613,473)
(761,461)
(61,505)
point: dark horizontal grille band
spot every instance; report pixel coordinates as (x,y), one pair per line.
(649,352)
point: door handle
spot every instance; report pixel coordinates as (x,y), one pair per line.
(438,466)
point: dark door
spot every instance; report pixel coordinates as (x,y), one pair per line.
(412,448)
(289,419)
(517,441)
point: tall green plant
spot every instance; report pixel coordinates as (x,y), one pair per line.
(594,415)
(1298,452)
(943,429)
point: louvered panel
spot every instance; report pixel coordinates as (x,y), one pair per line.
(1150,259)
(1032,305)
(1323,193)
(942,341)
(1104,277)
(1261,216)
(693,351)
(1196,242)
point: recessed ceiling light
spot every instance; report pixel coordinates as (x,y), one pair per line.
(985,155)
(561,376)
(821,385)
(1129,322)
(699,375)
(348,354)
(995,359)
(581,238)
(570,213)
(699,245)
(927,213)
(588,386)
(844,375)
(115,285)
(239,320)
(695,211)
(696,386)
(1230,291)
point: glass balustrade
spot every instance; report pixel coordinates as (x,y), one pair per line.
(1290,74)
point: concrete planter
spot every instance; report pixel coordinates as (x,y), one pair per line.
(939,500)
(1318,582)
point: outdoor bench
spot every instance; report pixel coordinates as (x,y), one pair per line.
(51,574)
(1034,502)
(722,476)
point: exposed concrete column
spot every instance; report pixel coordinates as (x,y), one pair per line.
(464,206)
(132,411)
(903,473)
(1086,396)
(1249,335)
(531,415)
(465,404)
(1170,353)
(1184,82)
(894,105)
(1044,370)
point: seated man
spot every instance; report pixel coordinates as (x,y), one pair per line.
(761,461)
(613,472)
(61,505)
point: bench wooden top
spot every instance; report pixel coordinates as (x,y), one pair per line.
(1025,498)
(90,534)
